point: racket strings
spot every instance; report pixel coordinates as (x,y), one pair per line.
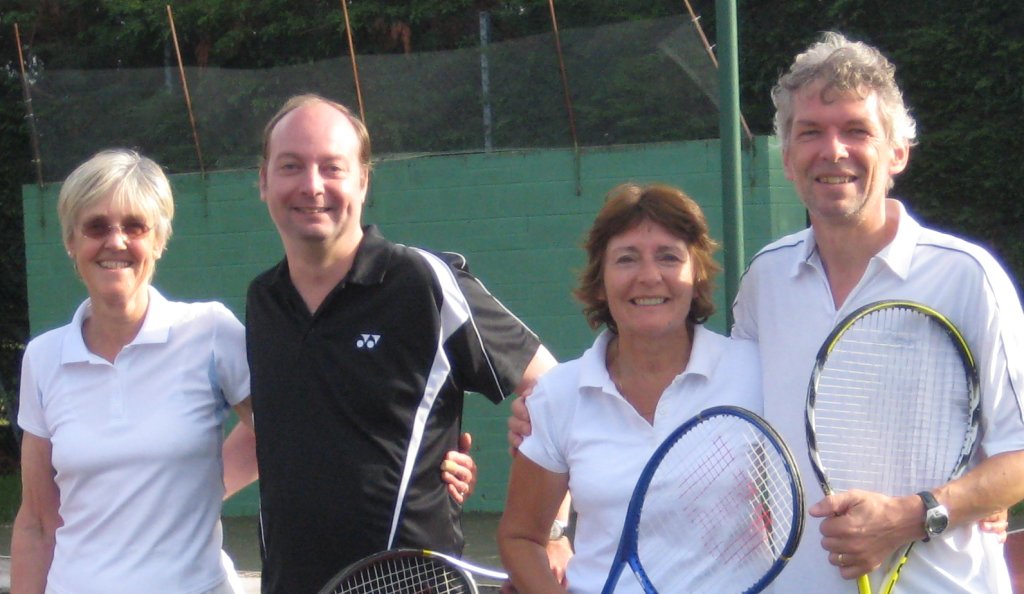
(724,486)
(405,575)
(871,429)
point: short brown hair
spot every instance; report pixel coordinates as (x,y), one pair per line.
(625,207)
(299,101)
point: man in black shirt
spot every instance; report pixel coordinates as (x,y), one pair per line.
(360,351)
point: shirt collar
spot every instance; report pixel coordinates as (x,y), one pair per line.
(372,258)
(373,255)
(594,370)
(900,252)
(703,359)
(156,328)
(896,256)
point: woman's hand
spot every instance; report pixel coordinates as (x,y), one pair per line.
(459,470)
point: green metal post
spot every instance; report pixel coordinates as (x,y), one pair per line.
(729,127)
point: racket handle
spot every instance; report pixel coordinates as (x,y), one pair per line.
(891,582)
(863,585)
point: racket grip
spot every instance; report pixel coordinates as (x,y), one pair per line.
(891,582)
(863,585)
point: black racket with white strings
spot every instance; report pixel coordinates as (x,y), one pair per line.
(893,405)
(410,571)
(718,508)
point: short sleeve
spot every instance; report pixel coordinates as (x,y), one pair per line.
(744,321)
(491,348)
(997,349)
(30,400)
(547,444)
(231,364)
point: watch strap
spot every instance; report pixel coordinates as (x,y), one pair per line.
(930,502)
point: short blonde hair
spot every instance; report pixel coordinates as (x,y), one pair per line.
(130,180)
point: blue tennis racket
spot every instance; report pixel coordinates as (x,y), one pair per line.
(718,508)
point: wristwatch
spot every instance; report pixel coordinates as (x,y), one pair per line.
(557,530)
(936,516)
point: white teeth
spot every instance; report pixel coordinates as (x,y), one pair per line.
(313,209)
(835,179)
(114,265)
(649,300)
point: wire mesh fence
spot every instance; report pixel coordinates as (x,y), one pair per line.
(629,82)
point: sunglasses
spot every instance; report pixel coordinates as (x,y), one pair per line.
(101,228)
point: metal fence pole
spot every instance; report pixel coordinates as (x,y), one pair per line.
(729,118)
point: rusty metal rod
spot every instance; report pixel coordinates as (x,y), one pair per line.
(30,115)
(711,54)
(355,67)
(184,88)
(568,98)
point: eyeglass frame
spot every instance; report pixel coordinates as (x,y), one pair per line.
(100,228)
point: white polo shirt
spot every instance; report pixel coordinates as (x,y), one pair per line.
(785,304)
(584,427)
(137,447)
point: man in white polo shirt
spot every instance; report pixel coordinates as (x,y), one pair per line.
(845,133)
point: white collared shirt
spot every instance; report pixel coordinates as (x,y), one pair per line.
(137,447)
(785,304)
(584,427)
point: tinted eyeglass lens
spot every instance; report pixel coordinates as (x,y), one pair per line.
(101,228)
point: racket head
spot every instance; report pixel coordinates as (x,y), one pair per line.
(402,571)
(727,482)
(893,404)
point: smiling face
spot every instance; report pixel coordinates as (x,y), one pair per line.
(115,268)
(838,155)
(648,281)
(313,182)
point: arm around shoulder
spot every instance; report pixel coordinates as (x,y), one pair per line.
(542,361)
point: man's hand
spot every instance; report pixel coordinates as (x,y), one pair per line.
(518,424)
(862,529)
(459,470)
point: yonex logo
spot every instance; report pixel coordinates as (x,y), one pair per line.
(368,341)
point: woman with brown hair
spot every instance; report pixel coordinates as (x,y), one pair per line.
(597,419)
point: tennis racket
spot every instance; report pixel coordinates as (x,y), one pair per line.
(409,571)
(893,405)
(718,508)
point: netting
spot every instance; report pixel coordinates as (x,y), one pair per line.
(631,82)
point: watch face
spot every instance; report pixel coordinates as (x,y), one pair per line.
(936,520)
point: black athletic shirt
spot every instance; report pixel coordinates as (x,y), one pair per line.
(356,405)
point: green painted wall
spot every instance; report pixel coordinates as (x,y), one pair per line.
(516,216)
